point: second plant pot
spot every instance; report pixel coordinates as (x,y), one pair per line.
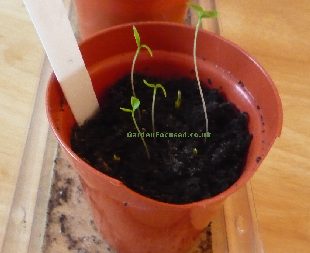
(133,223)
(94,15)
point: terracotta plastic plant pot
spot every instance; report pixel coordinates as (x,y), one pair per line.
(94,15)
(133,223)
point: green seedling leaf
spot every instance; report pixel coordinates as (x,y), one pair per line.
(148,49)
(137,36)
(149,84)
(202,13)
(125,109)
(196,7)
(209,14)
(135,103)
(154,87)
(159,86)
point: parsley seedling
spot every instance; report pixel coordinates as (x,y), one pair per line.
(201,15)
(135,103)
(154,87)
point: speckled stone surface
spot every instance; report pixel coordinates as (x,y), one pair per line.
(70,226)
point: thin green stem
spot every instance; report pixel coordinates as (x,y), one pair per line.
(132,79)
(153,110)
(144,143)
(132,71)
(197,75)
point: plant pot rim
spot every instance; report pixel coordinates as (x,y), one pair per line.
(246,174)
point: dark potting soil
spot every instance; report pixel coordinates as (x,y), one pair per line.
(181,170)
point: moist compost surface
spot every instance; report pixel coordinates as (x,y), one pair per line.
(180,170)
